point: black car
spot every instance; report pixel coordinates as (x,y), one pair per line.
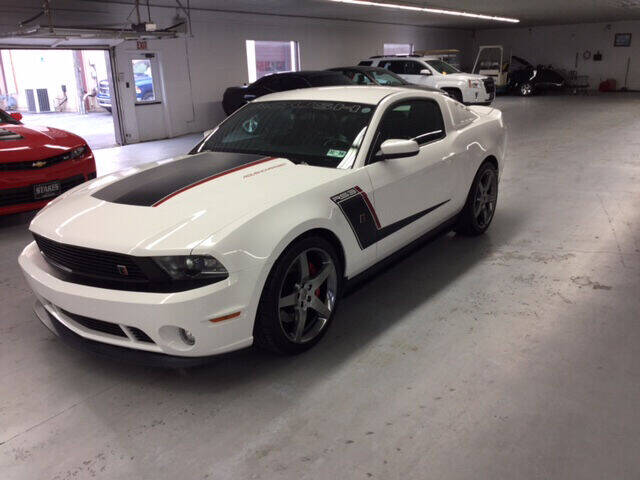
(365,75)
(525,79)
(236,97)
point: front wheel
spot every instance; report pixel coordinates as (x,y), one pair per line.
(480,207)
(526,89)
(299,298)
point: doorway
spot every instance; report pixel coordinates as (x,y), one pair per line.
(142,99)
(66,89)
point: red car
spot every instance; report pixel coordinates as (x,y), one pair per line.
(38,164)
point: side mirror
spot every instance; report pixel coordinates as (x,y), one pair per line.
(425,71)
(208,132)
(398,148)
(16,116)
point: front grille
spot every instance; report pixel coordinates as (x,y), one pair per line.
(35,164)
(16,196)
(489,84)
(108,327)
(97,325)
(140,335)
(89,262)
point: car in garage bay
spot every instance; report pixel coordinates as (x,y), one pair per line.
(364,75)
(467,88)
(236,97)
(254,235)
(38,164)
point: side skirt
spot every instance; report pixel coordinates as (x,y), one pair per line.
(353,283)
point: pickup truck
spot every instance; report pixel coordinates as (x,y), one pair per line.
(144,91)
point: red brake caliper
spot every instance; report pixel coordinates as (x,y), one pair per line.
(312,271)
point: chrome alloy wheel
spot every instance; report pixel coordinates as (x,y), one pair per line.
(526,89)
(307,295)
(484,204)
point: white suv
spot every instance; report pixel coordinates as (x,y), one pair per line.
(430,71)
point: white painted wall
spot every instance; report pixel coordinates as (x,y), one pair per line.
(198,69)
(557,45)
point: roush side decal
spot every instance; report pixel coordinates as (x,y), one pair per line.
(359,212)
(156,185)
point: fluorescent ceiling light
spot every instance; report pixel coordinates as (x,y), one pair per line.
(438,11)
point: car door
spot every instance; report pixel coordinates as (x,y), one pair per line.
(411,195)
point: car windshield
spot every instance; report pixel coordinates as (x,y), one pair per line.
(6,118)
(387,78)
(442,67)
(320,133)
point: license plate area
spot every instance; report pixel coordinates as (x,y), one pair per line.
(46,190)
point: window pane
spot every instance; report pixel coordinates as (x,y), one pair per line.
(420,120)
(145,91)
(283,129)
(413,68)
(398,49)
(265,57)
(384,78)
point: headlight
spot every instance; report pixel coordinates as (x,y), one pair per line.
(474,84)
(192,267)
(77,153)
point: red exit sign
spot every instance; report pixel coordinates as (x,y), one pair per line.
(141,44)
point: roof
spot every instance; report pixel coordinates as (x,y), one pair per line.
(361,68)
(306,73)
(369,94)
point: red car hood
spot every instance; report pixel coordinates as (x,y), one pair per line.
(35,143)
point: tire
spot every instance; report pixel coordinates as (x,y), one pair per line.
(108,109)
(454,93)
(293,293)
(480,207)
(525,89)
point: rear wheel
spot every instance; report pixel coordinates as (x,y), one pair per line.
(480,207)
(525,89)
(299,298)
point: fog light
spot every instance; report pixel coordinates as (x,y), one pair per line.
(187,337)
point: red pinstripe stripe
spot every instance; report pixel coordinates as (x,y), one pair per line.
(212,177)
(371,209)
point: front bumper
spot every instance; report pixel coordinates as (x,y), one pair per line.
(84,310)
(480,97)
(16,187)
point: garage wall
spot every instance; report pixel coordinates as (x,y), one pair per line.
(557,45)
(198,69)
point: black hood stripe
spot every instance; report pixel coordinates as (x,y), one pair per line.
(363,220)
(156,185)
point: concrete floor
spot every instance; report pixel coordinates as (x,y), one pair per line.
(511,356)
(96,127)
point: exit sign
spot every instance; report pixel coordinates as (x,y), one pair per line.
(141,44)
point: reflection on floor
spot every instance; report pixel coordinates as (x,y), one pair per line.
(95,127)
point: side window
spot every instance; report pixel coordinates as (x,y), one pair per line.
(366,63)
(396,66)
(419,120)
(360,78)
(413,68)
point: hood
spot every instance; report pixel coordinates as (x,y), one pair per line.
(34,143)
(171,206)
(466,76)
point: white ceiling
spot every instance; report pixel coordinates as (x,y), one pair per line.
(530,12)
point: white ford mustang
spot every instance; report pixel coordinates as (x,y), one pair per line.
(253,235)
